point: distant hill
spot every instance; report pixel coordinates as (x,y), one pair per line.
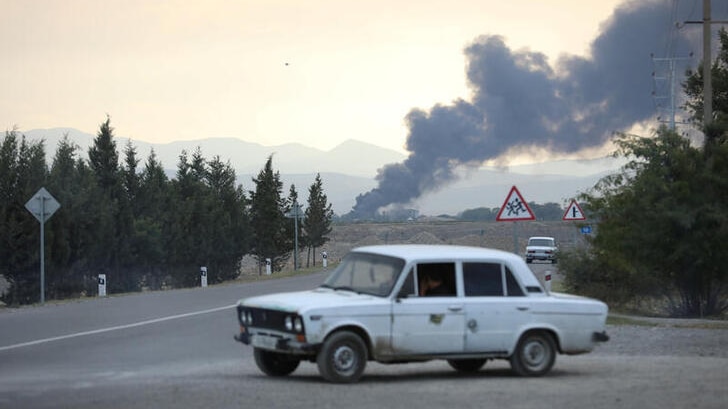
(350,169)
(246,157)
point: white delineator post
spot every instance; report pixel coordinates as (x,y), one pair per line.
(203,276)
(547,281)
(102,285)
(267,267)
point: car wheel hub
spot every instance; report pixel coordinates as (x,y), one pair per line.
(534,354)
(344,359)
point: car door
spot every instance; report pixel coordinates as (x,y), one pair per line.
(495,307)
(425,325)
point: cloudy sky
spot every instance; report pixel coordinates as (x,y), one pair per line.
(315,72)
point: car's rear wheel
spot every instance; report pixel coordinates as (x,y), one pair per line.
(342,357)
(274,363)
(467,365)
(535,354)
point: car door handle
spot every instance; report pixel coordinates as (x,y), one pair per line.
(522,308)
(455,308)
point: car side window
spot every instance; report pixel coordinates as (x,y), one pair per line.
(514,290)
(408,287)
(482,279)
(436,279)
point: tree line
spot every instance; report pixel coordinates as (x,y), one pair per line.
(663,220)
(545,212)
(138,226)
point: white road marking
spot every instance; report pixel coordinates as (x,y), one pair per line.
(117,328)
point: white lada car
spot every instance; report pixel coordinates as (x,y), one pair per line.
(414,303)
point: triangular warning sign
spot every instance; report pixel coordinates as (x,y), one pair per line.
(573,212)
(514,208)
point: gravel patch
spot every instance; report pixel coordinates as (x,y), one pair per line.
(639,340)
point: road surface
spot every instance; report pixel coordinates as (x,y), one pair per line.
(175,349)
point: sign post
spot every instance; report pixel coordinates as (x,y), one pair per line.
(295,214)
(515,208)
(572,213)
(42,205)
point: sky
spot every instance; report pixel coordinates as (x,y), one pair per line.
(314,72)
(453,85)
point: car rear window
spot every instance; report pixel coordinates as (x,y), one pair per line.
(541,242)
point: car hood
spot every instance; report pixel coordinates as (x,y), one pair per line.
(306,300)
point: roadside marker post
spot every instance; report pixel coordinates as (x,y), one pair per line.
(102,285)
(547,281)
(203,276)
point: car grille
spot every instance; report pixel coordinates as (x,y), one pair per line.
(271,319)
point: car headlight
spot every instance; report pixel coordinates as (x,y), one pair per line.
(247,317)
(293,323)
(298,324)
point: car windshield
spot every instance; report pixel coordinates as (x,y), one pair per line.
(541,242)
(365,273)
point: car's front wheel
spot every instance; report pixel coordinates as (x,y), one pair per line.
(535,354)
(467,365)
(274,363)
(342,358)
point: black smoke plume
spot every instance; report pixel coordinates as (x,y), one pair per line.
(519,100)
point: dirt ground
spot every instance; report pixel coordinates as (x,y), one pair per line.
(498,235)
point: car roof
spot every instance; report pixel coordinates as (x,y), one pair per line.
(541,237)
(436,252)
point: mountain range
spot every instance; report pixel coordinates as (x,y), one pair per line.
(350,169)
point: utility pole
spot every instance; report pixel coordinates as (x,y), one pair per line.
(707,63)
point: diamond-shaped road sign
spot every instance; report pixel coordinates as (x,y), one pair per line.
(42,205)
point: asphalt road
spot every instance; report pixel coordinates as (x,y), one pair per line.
(175,350)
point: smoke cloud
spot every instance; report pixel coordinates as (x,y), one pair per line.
(519,100)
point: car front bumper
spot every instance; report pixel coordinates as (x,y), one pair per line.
(600,336)
(277,343)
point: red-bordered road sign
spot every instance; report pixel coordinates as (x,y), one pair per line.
(514,208)
(573,212)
